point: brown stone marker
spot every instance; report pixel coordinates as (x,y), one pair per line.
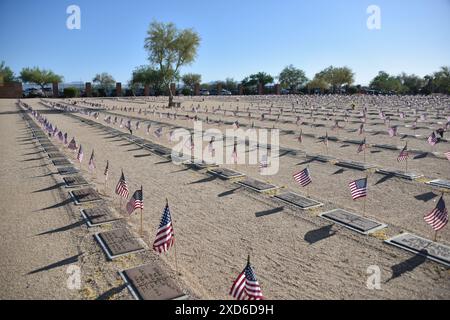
(88,89)
(146,90)
(55,89)
(85,195)
(98,215)
(118,89)
(149,282)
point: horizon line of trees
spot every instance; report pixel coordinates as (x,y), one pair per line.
(294,80)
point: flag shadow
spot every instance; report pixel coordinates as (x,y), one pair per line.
(408,265)
(58,205)
(385,178)
(228,193)
(425,197)
(56,186)
(111,292)
(62,229)
(268,212)
(61,263)
(319,234)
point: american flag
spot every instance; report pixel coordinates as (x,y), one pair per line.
(447,154)
(148,128)
(60,136)
(164,237)
(300,137)
(361,128)
(303,177)
(236,125)
(80,154)
(325,140)
(392,131)
(234,155)
(72,145)
(158,132)
(211,145)
(432,139)
(65,138)
(438,218)
(362,146)
(91,161)
(122,187)
(402,115)
(263,163)
(106,170)
(403,154)
(358,188)
(136,201)
(246,287)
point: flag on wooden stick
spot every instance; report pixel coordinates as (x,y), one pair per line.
(246,287)
(165,235)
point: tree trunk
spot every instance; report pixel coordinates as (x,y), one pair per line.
(171,104)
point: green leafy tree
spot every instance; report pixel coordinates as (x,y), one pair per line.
(385,83)
(6,74)
(292,78)
(411,84)
(318,83)
(169,49)
(104,81)
(254,79)
(336,77)
(230,84)
(441,80)
(71,92)
(146,75)
(190,79)
(39,77)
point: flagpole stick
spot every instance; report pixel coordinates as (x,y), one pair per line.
(141,224)
(175,242)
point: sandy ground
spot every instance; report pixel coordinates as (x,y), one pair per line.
(217,225)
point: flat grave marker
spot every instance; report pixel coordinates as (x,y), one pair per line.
(440,183)
(257,185)
(352,221)
(74,181)
(355,165)
(85,195)
(98,216)
(61,162)
(55,155)
(118,242)
(299,201)
(434,251)
(226,174)
(67,170)
(400,174)
(149,282)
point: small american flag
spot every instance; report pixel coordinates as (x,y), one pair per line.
(234,155)
(362,146)
(236,125)
(403,154)
(325,140)
(158,132)
(106,170)
(361,128)
(122,187)
(211,145)
(303,177)
(402,115)
(80,154)
(432,139)
(358,188)
(392,131)
(60,136)
(65,138)
(438,218)
(165,236)
(447,155)
(72,145)
(246,287)
(136,201)
(92,161)
(263,163)
(148,128)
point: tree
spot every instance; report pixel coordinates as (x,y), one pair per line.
(39,77)
(292,78)
(146,75)
(169,49)
(317,83)
(386,83)
(190,79)
(441,80)
(254,79)
(104,81)
(6,73)
(337,77)
(71,92)
(411,84)
(230,84)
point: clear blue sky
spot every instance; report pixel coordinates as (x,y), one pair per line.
(239,37)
